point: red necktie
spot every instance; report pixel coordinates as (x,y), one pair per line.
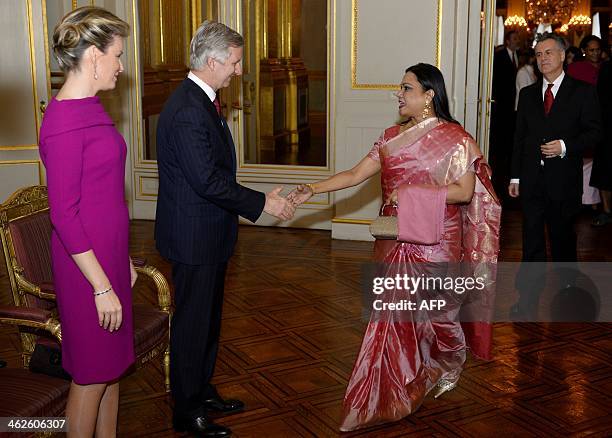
(548,99)
(217,105)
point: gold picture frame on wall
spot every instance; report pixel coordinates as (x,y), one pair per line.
(371,85)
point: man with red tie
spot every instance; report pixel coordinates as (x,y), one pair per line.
(557,118)
(198,204)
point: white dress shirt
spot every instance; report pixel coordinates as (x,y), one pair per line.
(203,85)
(555,88)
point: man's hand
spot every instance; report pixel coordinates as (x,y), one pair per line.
(513,190)
(551,149)
(299,195)
(278,206)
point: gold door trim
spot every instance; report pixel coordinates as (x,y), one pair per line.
(17,162)
(19,147)
(47,54)
(37,118)
(354,57)
(344,220)
(141,195)
(486,89)
(332,15)
(261,51)
(139,162)
(162,51)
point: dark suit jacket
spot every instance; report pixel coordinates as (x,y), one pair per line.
(604,89)
(574,118)
(199,199)
(504,83)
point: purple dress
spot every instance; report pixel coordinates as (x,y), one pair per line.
(85,160)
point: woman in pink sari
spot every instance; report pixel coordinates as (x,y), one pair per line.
(435,180)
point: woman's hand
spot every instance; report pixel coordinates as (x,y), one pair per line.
(392,199)
(133,274)
(300,194)
(109,310)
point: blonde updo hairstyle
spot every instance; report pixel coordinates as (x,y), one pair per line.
(82,28)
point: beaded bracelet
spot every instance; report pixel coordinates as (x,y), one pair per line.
(103,292)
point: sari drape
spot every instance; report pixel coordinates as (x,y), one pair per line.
(403,358)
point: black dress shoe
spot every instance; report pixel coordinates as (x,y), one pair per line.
(200,426)
(218,405)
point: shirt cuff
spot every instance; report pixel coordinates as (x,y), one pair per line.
(515,181)
(563,149)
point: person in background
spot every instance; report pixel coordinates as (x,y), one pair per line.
(572,54)
(557,119)
(526,74)
(505,66)
(601,177)
(587,70)
(92,272)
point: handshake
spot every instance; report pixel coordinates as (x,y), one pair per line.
(284,208)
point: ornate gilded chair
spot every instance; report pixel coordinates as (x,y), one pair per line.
(27,394)
(25,228)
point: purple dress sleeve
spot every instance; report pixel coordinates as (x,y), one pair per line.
(64,164)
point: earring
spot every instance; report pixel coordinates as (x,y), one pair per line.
(426,110)
(95,72)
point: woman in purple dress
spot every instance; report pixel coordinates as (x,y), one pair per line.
(84,156)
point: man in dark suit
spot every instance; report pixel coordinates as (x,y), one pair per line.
(557,118)
(196,227)
(505,63)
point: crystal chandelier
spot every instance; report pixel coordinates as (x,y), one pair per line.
(549,11)
(580,20)
(515,21)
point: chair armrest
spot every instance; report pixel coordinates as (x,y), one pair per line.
(31,317)
(45,291)
(163,288)
(138,262)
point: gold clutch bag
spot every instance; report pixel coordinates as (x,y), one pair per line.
(384,227)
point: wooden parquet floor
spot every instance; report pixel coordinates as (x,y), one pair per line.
(292,328)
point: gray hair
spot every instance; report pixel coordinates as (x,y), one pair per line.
(212,40)
(551,36)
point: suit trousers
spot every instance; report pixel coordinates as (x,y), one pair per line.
(195,330)
(540,212)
